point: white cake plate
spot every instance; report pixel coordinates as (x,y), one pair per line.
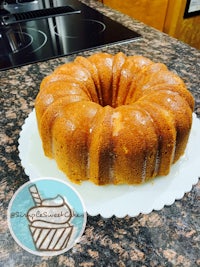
(120,200)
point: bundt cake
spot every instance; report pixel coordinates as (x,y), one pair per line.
(114,119)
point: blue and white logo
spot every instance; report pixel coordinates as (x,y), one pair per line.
(46,217)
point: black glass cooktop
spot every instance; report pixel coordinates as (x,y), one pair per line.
(32,31)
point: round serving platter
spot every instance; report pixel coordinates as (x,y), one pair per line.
(120,200)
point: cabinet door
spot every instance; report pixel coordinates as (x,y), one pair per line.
(184,29)
(151,12)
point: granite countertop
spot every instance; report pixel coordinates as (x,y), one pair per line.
(169,237)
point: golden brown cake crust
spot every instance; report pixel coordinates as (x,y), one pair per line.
(114,119)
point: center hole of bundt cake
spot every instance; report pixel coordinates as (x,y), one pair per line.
(106,98)
(111,100)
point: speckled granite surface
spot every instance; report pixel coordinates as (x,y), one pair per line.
(169,237)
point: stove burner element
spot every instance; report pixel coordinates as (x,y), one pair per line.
(24,40)
(91,26)
(18,41)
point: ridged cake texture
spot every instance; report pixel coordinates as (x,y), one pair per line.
(114,119)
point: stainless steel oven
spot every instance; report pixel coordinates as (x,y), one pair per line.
(37,30)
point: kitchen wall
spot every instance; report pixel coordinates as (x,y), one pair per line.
(150,12)
(164,15)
